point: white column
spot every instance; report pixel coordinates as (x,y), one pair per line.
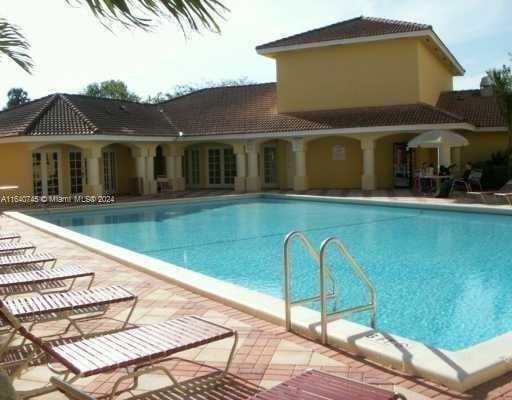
(300,180)
(253,181)
(239,150)
(173,164)
(368,177)
(93,187)
(151,186)
(170,168)
(140,171)
(444,156)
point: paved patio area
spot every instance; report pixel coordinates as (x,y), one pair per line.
(266,354)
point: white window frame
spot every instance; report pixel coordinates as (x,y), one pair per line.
(222,183)
(190,170)
(44,153)
(110,166)
(265,184)
(83,173)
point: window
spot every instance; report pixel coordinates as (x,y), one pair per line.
(229,167)
(76,172)
(37,177)
(52,168)
(214,167)
(109,172)
(270,165)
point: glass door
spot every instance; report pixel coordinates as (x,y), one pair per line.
(229,164)
(52,171)
(214,167)
(37,174)
(270,166)
(192,172)
(109,172)
(76,172)
(221,167)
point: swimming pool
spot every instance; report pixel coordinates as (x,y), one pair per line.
(442,277)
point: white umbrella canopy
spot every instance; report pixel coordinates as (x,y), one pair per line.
(438,138)
(443,141)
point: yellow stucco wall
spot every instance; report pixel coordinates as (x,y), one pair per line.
(399,71)
(482,145)
(434,76)
(366,74)
(324,172)
(125,166)
(16,168)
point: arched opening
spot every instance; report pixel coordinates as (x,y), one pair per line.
(118,169)
(159,169)
(209,165)
(395,165)
(276,164)
(334,162)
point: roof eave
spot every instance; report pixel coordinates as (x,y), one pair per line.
(460,71)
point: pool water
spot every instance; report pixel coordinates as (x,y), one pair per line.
(443,278)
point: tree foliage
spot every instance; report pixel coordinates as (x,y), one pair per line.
(183,89)
(111,89)
(501,79)
(16,96)
(142,14)
(14,46)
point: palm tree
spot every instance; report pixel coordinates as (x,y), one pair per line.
(189,14)
(501,80)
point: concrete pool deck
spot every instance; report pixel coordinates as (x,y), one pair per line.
(267,354)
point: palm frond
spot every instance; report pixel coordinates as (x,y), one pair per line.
(189,14)
(14,46)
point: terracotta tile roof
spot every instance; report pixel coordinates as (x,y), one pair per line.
(481,111)
(349,29)
(233,110)
(252,109)
(61,118)
(16,120)
(65,114)
(117,117)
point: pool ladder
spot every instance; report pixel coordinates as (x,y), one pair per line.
(325,275)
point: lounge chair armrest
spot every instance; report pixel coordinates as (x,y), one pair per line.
(503,194)
(70,391)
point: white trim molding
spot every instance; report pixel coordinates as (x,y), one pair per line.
(367,39)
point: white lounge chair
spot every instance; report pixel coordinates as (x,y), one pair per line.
(504,193)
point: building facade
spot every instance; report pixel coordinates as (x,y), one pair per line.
(347,99)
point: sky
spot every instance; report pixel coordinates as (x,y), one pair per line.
(71,48)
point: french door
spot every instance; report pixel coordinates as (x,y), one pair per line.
(192,168)
(46,173)
(221,167)
(109,172)
(270,166)
(76,172)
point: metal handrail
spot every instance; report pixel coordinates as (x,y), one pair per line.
(287,285)
(372,306)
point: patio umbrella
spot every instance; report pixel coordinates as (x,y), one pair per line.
(443,141)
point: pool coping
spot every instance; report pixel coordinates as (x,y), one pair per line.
(460,370)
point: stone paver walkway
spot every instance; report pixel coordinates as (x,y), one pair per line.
(266,354)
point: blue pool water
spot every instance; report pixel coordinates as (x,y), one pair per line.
(443,278)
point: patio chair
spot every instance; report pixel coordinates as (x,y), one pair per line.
(505,193)
(26,262)
(73,306)
(43,281)
(9,236)
(474,179)
(16,247)
(138,350)
(309,385)
(314,384)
